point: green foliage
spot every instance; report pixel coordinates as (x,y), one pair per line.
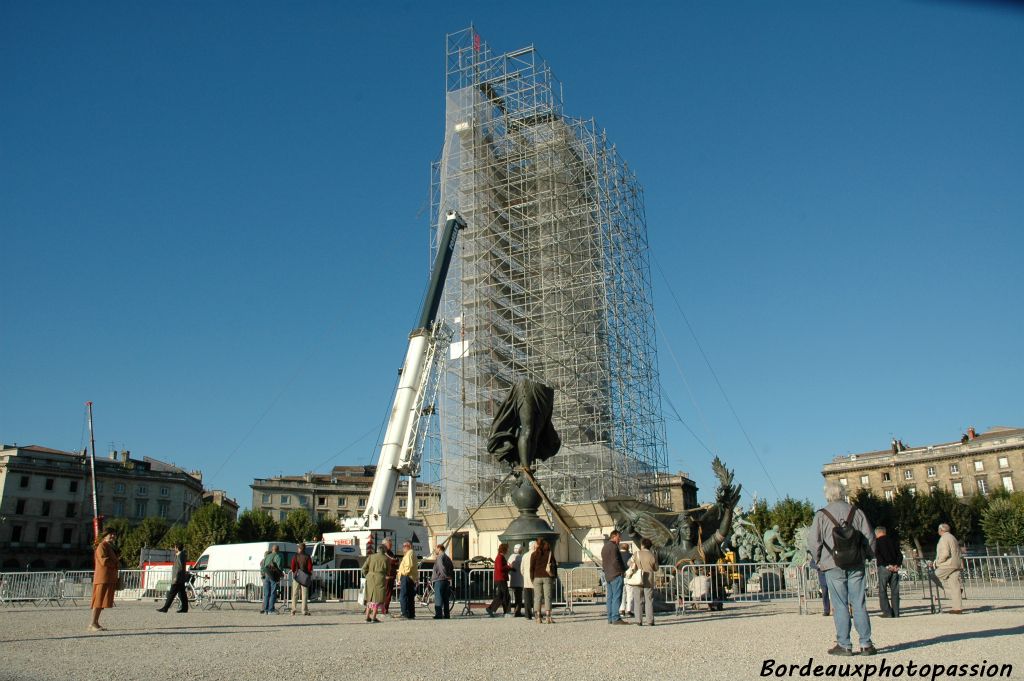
(1003,522)
(877,510)
(210,524)
(297,526)
(916,517)
(761,516)
(949,509)
(790,514)
(149,533)
(256,526)
(176,534)
(325,524)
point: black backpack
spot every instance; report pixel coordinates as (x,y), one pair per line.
(847,542)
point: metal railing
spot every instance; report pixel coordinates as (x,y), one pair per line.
(713,585)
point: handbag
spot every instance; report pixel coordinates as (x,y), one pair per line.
(303,578)
(634,575)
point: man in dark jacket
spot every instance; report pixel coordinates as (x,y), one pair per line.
(179,577)
(889,559)
(614,569)
(441,576)
(845,584)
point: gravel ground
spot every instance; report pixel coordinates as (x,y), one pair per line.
(335,643)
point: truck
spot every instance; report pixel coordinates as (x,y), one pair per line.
(401,450)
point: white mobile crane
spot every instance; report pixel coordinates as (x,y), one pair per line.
(403,439)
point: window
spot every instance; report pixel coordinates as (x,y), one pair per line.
(266,498)
(1008,483)
(865,480)
(954,468)
(321,501)
(889,495)
(842,481)
(67,535)
(361,502)
(886,477)
(958,490)
(423,503)
(341,501)
(24,482)
(99,486)
(140,507)
(285,500)
(72,487)
(16,533)
(1004,462)
(908,475)
(41,535)
(163,508)
(982,486)
(979,465)
(281,515)
(912,491)
(301,501)
(165,491)
(119,488)
(931,471)
(70,511)
(118,508)
(46,508)
(401,503)
(19,507)
(49,485)
(142,490)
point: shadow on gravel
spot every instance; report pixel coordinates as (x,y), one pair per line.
(958,636)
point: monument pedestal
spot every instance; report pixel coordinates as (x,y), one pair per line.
(528,526)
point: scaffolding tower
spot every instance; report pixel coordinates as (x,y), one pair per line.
(550,281)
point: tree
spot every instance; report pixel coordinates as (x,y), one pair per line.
(256,526)
(761,516)
(210,524)
(297,526)
(950,509)
(1003,523)
(326,524)
(878,511)
(177,534)
(916,517)
(149,533)
(790,514)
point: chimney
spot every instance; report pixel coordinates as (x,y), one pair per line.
(113,455)
(124,456)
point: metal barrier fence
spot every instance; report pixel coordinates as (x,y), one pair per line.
(712,585)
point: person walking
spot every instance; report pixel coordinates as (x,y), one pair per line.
(626,607)
(948,566)
(501,573)
(302,577)
(179,578)
(515,578)
(389,582)
(375,570)
(614,568)
(104,578)
(646,564)
(840,540)
(272,569)
(528,580)
(889,559)
(543,571)
(408,578)
(441,577)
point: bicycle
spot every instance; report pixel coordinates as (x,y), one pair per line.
(425,596)
(200,596)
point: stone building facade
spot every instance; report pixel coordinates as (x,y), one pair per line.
(342,493)
(978,464)
(46,502)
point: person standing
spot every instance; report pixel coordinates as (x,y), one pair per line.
(179,577)
(302,577)
(626,607)
(500,583)
(614,568)
(389,582)
(528,580)
(840,540)
(515,578)
(889,559)
(408,578)
(543,571)
(646,564)
(948,566)
(273,571)
(104,579)
(375,570)
(823,586)
(441,577)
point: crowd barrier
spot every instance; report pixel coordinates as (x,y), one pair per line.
(685,589)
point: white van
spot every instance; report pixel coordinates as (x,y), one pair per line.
(236,567)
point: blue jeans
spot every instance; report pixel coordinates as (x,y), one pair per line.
(407,596)
(442,596)
(269,595)
(614,598)
(846,590)
(824,591)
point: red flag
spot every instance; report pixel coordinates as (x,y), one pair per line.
(476,42)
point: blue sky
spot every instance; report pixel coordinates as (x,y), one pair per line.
(213,219)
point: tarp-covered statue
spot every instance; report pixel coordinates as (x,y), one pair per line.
(522,433)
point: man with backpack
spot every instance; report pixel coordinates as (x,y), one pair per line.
(840,541)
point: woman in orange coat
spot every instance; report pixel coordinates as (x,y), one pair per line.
(104,580)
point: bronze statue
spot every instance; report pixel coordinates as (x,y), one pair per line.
(522,433)
(678,538)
